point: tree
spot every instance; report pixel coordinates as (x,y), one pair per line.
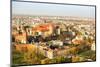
(75,58)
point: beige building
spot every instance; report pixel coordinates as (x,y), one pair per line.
(93,47)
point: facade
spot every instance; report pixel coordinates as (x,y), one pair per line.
(20,38)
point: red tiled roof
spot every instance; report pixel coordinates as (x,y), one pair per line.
(44,27)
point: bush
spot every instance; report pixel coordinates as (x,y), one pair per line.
(30,57)
(75,59)
(89,55)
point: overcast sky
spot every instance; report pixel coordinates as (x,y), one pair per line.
(30,8)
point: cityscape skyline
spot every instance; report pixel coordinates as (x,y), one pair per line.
(54,34)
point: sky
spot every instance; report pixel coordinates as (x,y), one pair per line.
(31,8)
